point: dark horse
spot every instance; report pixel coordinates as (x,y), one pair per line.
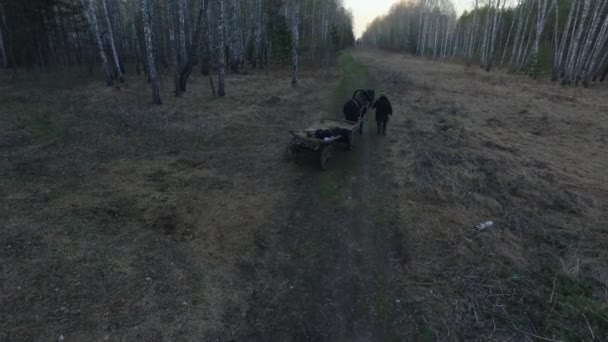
(356,107)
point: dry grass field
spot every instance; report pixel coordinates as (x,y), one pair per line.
(124,221)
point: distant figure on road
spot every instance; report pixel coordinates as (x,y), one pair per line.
(383,111)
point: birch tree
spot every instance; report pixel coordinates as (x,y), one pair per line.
(193,47)
(590,37)
(570,76)
(134,39)
(490,57)
(541,18)
(174,45)
(151,55)
(257,27)
(3,57)
(117,64)
(220,47)
(559,52)
(474,26)
(91,17)
(206,40)
(600,48)
(296,41)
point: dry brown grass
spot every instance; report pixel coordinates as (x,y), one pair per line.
(127,221)
(468,147)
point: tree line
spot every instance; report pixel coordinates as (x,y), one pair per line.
(567,39)
(150,37)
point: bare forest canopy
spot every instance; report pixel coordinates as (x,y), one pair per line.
(149,36)
(564,38)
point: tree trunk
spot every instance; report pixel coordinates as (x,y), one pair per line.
(486,36)
(490,57)
(424,34)
(117,66)
(574,50)
(257,33)
(518,32)
(117,23)
(473,36)
(145,16)
(520,48)
(559,53)
(194,46)
(233,43)
(436,36)
(599,47)
(504,51)
(91,17)
(182,33)
(569,52)
(524,57)
(447,36)
(136,47)
(221,48)
(3,58)
(591,35)
(62,38)
(174,45)
(206,41)
(420,24)
(296,42)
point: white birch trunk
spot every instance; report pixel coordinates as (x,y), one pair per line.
(504,51)
(559,53)
(574,50)
(591,34)
(135,40)
(221,48)
(182,32)
(104,6)
(173,44)
(473,35)
(600,45)
(145,16)
(296,42)
(91,17)
(3,57)
(490,57)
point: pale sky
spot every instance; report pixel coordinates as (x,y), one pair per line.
(365,11)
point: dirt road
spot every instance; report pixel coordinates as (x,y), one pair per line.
(382,246)
(331,264)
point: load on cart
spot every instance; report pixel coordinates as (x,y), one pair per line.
(321,136)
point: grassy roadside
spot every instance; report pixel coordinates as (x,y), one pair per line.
(540,272)
(126,221)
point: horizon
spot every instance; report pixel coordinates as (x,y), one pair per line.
(365,11)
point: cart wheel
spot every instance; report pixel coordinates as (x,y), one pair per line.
(324,154)
(291,152)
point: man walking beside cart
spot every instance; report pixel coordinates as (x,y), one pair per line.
(383,111)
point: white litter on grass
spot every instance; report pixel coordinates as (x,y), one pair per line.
(484,225)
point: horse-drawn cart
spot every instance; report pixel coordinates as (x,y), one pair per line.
(322,136)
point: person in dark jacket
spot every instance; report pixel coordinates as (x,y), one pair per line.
(383,111)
